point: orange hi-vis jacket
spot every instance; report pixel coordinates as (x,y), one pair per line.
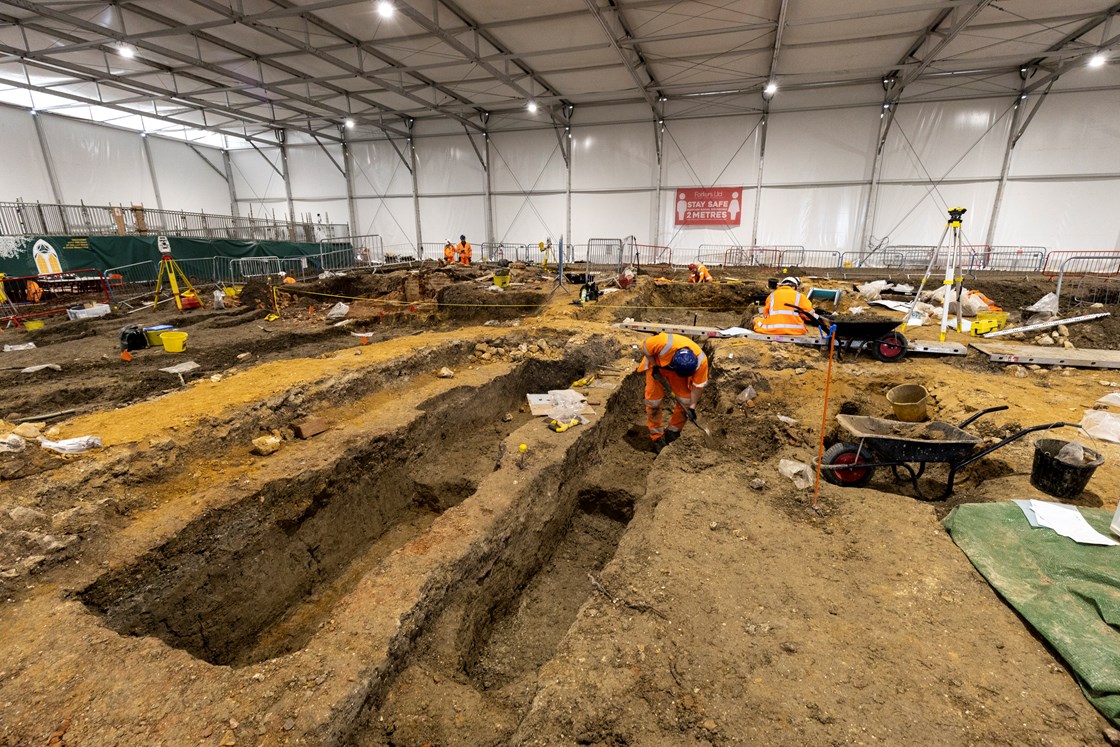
(464,250)
(777,316)
(659,350)
(448,253)
(701,275)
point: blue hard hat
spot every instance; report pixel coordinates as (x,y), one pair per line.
(684,362)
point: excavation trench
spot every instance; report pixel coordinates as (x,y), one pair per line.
(504,622)
(258,578)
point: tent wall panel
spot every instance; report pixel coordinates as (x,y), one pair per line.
(959,139)
(528,220)
(1074,215)
(1058,142)
(446,218)
(254,179)
(449,165)
(393,218)
(98,165)
(25,173)
(379,171)
(314,174)
(825,218)
(824,146)
(910,214)
(526,161)
(612,215)
(185,181)
(711,152)
(614,157)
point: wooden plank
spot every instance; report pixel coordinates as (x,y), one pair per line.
(1044,355)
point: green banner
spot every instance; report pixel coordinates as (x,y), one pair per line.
(39,255)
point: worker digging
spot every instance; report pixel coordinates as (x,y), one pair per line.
(773,400)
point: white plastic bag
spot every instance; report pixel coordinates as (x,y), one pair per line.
(21,346)
(568,403)
(871,291)
(1102,425)
(1048,304)
(1072,453)
(797,471)
(11,443)
(746,395)
(338,311)
(219,299)
(72,445)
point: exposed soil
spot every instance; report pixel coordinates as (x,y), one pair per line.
(410,576)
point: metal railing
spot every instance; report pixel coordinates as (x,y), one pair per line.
(1096,263)
(49,219)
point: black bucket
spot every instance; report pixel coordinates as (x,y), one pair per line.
(1058,478)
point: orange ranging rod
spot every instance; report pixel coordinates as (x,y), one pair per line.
(824,415)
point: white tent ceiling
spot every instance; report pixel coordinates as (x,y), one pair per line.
(249,68)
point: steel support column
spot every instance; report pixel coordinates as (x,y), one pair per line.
(415,192)
(282,136)
(47,158)
(151,169)
(348,175)
(228,163)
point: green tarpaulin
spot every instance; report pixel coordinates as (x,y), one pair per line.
(1069,593)
(35,255)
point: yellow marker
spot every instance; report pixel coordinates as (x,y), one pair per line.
(521,461)
(522,448)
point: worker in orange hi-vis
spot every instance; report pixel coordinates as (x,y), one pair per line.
(675,367)
(464,250)
(34,292)
(450,256)
(779,315)
(698,273)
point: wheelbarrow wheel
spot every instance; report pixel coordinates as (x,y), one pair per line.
(889,348)
(855,476)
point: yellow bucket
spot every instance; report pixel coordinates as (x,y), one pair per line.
(909,402)
(502,281)
(32,325)
(174,342)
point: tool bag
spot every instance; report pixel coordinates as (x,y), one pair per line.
(133,338)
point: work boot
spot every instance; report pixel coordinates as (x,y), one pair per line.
(671,436)
(658,444)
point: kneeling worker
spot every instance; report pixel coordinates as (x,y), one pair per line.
(463,248)
(699,274)
(779,316)
(675,367)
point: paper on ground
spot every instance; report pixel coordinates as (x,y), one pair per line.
(1112,398)
(1068,522)
(1025,504)
(733,332)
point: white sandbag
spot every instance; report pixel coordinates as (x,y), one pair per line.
(1101,424)
(72,445)
(1047,304)
(338,311)
(798,472)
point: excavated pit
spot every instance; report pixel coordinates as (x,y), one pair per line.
(502,626)
(256,579)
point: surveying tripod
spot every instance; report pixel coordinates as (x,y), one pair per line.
(954,273)
(170,269)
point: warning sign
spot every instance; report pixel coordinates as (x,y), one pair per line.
(708,206)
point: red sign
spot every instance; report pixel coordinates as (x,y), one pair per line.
(708,206)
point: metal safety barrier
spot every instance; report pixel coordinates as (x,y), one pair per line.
(31,296)
(1093,264)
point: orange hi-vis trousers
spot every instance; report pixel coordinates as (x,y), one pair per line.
(655,395)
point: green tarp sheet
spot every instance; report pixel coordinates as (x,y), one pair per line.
(34,255)
(1069,593)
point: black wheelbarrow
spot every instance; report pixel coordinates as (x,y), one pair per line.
(874,334)
(901,446)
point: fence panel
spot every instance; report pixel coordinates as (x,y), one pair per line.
(246,268)
(650,254)
(1097,263)
(42,295)
(604,252)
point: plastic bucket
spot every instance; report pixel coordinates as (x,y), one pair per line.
(502,281)
(153,333)
(909,402)
(1058,478)
(174,342)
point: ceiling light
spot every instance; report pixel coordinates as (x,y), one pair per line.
(771,88)
(531,106)
(1097,60)
(350,124)
(385,9)
(126,51)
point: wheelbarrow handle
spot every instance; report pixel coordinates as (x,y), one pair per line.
(981,414)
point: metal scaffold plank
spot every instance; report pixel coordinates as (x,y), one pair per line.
(1007,352)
